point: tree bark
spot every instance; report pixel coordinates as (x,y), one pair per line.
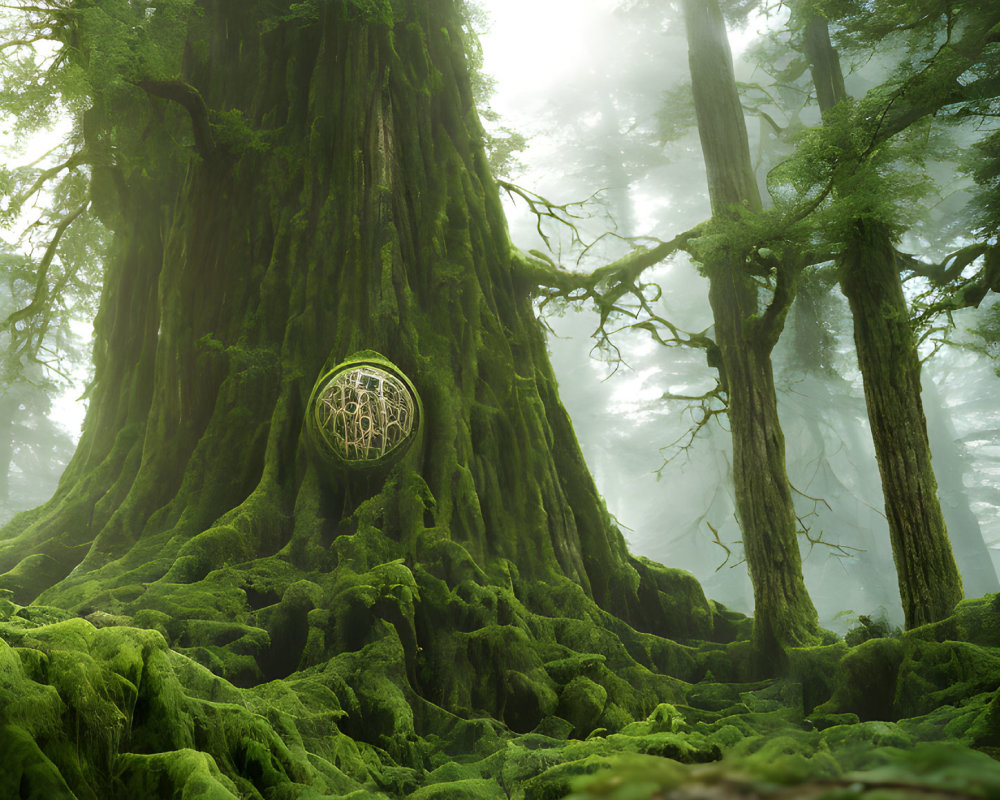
(345,204)
(783,613)
(929,582)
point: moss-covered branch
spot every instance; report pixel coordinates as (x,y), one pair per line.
(768,326)
(605,286)
(952,290)
(937,85)
(192,101)
(75,160)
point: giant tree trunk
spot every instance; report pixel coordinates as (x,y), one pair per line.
(314,185)
(783,612)
(929,581)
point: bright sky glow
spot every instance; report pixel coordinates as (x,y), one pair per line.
(535,44)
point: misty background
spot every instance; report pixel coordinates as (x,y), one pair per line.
(588,101)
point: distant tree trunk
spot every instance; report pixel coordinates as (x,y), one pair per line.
(783,613)
(929,582)
(951,463)
(611,167)
(8,408)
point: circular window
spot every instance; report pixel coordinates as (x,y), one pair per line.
(364,413)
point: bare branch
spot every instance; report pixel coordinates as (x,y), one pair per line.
(544,208)
(716,539)
(703,408)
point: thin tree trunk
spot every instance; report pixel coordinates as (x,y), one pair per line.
(783,613)
(929,581)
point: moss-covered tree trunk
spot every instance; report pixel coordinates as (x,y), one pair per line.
(783,612)
(290,184)
(929,581)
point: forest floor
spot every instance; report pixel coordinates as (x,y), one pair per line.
(110,710)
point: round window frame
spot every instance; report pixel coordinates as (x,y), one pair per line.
(321,441)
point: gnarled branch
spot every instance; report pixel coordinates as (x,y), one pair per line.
(190,98)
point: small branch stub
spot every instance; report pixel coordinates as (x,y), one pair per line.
(363,413)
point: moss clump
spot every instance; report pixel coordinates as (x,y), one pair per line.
(582,702)
(871,628)
(863,676)
(673,602)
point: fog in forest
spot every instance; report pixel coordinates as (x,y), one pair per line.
(596,88)
(595,94)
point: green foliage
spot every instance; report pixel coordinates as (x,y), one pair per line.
(736,12)
(877,181)
(866,23)
(502,143)
(987,332)
(983,163)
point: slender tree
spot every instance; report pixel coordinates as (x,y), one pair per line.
(35,357)
(784,614)
(929,581)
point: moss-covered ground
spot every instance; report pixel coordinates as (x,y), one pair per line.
(378,680)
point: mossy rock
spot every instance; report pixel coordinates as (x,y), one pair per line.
(729,625)
(712,696)
(465,789)
(816,668)
(975,620)
(27,772)
(673,602)
(933,674)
